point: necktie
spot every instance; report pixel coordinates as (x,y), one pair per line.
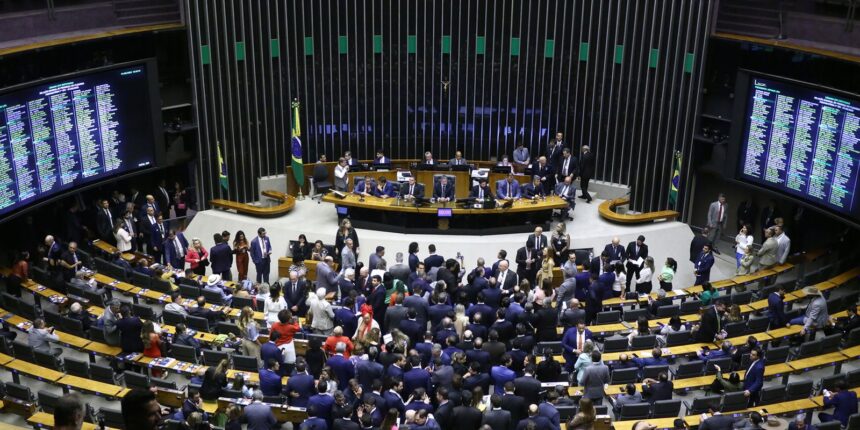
(443,190)
(718,320)
(178,246)
(110,218)
(509,189)
(161,228)
(411,189)
(579,337)
(480,193)
(263,247)
(152,220)
(720,215)
(128,226)
(566,162)
(502,278)
(537,242)
(564,191)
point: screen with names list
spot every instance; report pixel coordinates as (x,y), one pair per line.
(59,134)
(804,142)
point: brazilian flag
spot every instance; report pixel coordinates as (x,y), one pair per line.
(676,180)
(296,144)
(222,168)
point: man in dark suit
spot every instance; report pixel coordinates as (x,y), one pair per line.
(545,172)
(506,278)
(586,171)
(411,189)
(534,189)
(295,295)
(322,401)
(300,387)
(221,257)
(341,367)
(540,421)
(776,308)
(261,255)
(614,250)
(719,421)
(156,240)
(270,379)
(466,416)
(844,402)
(635,250)
(384,189)
(527,386)
(175,246)
(703,265)
(508,188)
(658,389)
(711,322)
(481,191)
(368,370)
(554,149)
(526,263)
(567,191)
(445,411)
(699,241)
(517,405)
(201,311)
(568,166)
(443,191)
(105,222)
(416,377)
(433,260)
(364,188)
(572,343)
(147,224)
(754,378)
(150,203)
(496,417)
(597,264)
(537,241)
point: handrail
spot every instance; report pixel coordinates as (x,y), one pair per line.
(287,204)
(607,211)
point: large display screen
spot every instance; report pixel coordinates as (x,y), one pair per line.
(803,141)
(69,131)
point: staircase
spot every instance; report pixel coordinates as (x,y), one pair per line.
(142,12)
(758,18)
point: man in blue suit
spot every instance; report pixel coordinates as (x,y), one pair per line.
(270,351)
(776,308)
(656,359)
(221,257)
(261,255)
(156,239)
(364,188)
(754,378)
(572,343)
(322,401)
(341,366)
(703,265)
(508,189)
(615,251)
(368,370)
(443,191)
(724,351)
(844,403)
(393,399)
(502,374)
(270,380)
(416,377)
(534,189)
(384,189)
(175,246)
(300,386)
(313,422)
(605,281)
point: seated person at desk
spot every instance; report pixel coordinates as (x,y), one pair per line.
(521,156)
(505,162)
(384,189)
(214,285)
(481,191)
(442,191)
(381,158)
(352,162)
(411,189)
(844,402)
(428,158)
(534,189)
(364,188)
(567,191)
(508,189)
(458,160)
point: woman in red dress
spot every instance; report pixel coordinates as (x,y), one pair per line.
(151,344)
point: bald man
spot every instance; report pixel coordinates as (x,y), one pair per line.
(615,250)
(537,241)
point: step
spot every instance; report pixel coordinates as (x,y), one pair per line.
(155,18)
(751,19)
(143,10)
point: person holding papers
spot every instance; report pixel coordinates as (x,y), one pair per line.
(636,252)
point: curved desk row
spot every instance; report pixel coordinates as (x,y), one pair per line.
(607,211)
(287,203)
(402,217)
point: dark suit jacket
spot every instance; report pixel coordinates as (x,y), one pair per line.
(754,380)
(708,326)
(530,190)
(432,261)
(295,295)
(543,172)
(303,385)
(488,194)
(631,251)
(221,257)
(530,242)
(103,223)
(696,246)
(659,391)
(171,254)
(497,419)
(615,253)
(586,165)
(444,414)
(449,191)
(540,421)
(529,388)
(466,418)
(572,168)
(417,192)
(516,405)
(718,422)
(157,236)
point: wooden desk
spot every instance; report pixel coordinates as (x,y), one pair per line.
(845,277)
(286,204)
(91,386)
(607,211)
(46,420)
(282,413)
(5,359)
(825,360)
(34,370)
(284,264)
(389,215)
(661,423)
(852,353)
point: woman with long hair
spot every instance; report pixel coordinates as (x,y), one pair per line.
(301,250)
(460,319)
(641,329)
(123,238)
(250,333)
(620,283)
(197,257)
(344,232)
(390,420)
(743,241)
(180,200)
(584,419)
(274,304)
(644,282)
(546,266)
(151,344)
(413,257)
(675,326)
(560,243)
(287,327)
(583,361)
(318,252)
(239,385)
(214,380)
(241,248)
(667,274)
